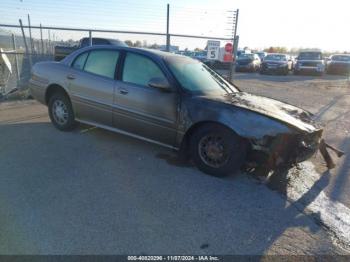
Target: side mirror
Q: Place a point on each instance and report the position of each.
(160, 83)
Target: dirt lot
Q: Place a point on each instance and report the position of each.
(95, 192)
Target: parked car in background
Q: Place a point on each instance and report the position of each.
(310, 62)
(339, 64)
(243, 51)
(248, 63)
(276, 63)
(61, 52)
(200, 56)
(176, 102)
(262, 55)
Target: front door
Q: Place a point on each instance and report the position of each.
(143, 110)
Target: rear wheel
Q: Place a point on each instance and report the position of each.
(61, 112)
(217, 151)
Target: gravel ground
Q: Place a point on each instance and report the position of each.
(91, 191)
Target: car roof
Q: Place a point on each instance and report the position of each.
(157, 54)
(341, 55)
(104, 38)
(311, 51)
(276, 54)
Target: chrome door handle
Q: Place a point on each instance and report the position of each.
(123, 91)
(70, 76)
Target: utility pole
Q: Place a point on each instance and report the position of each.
(234, 41)
(236, 38)
(167, 30)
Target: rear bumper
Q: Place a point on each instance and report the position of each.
(37, 90)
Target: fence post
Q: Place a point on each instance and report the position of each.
(49, 34)
(25, 43)
(16, 59)
(167, 30)
(90, 38)
(41, 39)
(30, 35)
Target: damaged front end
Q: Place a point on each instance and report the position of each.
(285, 150)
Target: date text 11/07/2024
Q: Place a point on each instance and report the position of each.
(174, 258)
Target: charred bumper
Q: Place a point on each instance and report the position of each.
(286, 149)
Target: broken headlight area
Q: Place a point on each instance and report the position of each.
(283, 149)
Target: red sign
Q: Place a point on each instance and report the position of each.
(229, 47)
(228, 57)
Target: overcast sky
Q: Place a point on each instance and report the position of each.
(262, 23)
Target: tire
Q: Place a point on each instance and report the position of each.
(61, 112)
(228, 150)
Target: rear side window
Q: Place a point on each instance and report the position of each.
(140, 70)
(102, 62)
(80, 61)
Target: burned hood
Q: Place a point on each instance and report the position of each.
(286, 113)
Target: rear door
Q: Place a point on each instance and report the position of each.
(91, 84)
(143, 110)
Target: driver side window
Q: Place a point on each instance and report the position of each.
(139, 70)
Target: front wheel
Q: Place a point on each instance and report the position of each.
(217, 150)
(61, 112)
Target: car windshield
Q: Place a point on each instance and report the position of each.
(246, 56)
(310, 56)
(342, 58)
(276, 57)
(196, 77)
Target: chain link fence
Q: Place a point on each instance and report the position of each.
(23, 45)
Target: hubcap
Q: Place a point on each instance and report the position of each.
(60, 112)
(213, 151)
